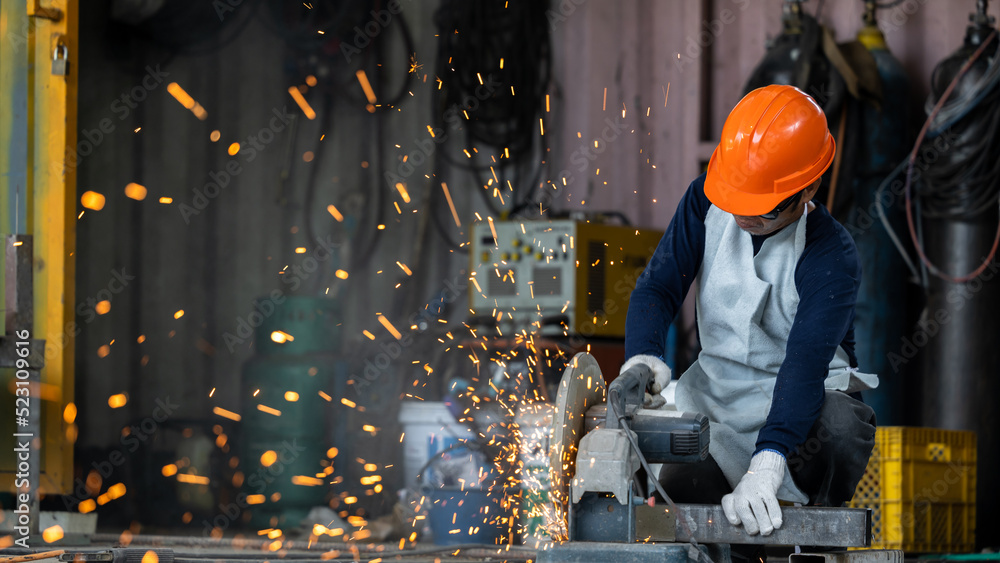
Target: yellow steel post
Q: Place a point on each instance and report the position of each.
(38, 124)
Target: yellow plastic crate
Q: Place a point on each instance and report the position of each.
(921, 486)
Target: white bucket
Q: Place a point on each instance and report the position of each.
(428, 428)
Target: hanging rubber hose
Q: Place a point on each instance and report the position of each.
(837, 159)
(974, 197)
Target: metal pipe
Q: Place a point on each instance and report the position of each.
(960, 357)
(802, 525)
(19, 350)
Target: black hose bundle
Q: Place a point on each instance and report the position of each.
(964, 182)
(494, 66)
(958, 65)
(474, 37)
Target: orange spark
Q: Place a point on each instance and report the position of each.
(388, 326)
(451, 204)
(493, 229)
(281, 337)
(135, 191)
(268, 458)
(402, 192)
(363, 79)
(303, 104)
(226, 414)
(54, 533)
(268, 410)
(92, 200)
(185, 99)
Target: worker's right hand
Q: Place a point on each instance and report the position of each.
(661, 372)
(754, 503)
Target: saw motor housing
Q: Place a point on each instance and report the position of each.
(609, 499)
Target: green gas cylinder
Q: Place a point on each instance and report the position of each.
(285, 449)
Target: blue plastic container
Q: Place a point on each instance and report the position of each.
(469, 516)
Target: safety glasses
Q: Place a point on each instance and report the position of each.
(782, 207)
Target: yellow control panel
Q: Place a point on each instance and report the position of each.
(527, 271)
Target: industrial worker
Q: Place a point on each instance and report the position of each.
(777, 279)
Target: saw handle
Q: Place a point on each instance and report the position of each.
(626, 393)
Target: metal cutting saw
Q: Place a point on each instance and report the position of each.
(602, 444)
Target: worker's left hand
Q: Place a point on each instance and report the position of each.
(653, 401)
(661, 371)
(754, 503)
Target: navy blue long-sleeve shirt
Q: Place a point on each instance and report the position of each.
(827, 278)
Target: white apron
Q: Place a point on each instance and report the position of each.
(746, 305)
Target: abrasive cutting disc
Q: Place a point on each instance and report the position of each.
(581, 387)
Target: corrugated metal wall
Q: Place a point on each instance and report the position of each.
(704, 51)
(210, 253)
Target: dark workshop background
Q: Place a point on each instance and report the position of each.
(186, 279)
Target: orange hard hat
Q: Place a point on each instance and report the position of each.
(775, 143)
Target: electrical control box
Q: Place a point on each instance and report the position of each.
(527, 271)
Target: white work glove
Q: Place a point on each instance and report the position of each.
(661, 372)
(754, 503)
(653, 402)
